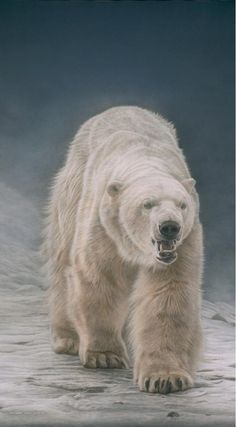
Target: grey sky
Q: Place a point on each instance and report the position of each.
(62, 62)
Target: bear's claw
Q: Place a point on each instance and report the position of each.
(165, 382)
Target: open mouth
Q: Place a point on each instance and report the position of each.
(166, 251)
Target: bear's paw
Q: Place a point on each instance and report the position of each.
(165, 381)
(66, 345)
(106, 359)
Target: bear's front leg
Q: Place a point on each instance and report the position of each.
(98, 311)
(166, 332)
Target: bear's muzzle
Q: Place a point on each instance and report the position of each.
(166, 250)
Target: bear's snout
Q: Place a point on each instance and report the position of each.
(169, 229)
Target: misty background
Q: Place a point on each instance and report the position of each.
(63, 61)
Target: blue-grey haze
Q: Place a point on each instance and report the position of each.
(64, 61)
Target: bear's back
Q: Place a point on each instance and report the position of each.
(96, 140)
(96, 131)
(129, 119)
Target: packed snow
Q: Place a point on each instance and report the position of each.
(40, 388)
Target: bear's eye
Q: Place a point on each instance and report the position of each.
(148, 205)
(183, 205)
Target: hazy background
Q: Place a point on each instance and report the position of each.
(64, 61)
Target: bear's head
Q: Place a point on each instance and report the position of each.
(149, 219)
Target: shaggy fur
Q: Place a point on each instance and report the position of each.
(101, 259)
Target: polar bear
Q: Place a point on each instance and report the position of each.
(124, 244)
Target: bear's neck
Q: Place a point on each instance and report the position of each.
(140, 165)
(135, 161)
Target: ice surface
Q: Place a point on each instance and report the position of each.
(40, 388)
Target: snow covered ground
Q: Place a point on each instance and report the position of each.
(40, 388)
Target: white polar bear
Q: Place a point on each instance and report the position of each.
(123, 239)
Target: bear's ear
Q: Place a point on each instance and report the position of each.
(114, 188)
(189, 184)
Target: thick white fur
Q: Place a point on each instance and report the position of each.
(101, 260)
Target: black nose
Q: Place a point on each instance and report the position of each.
(169, 229)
